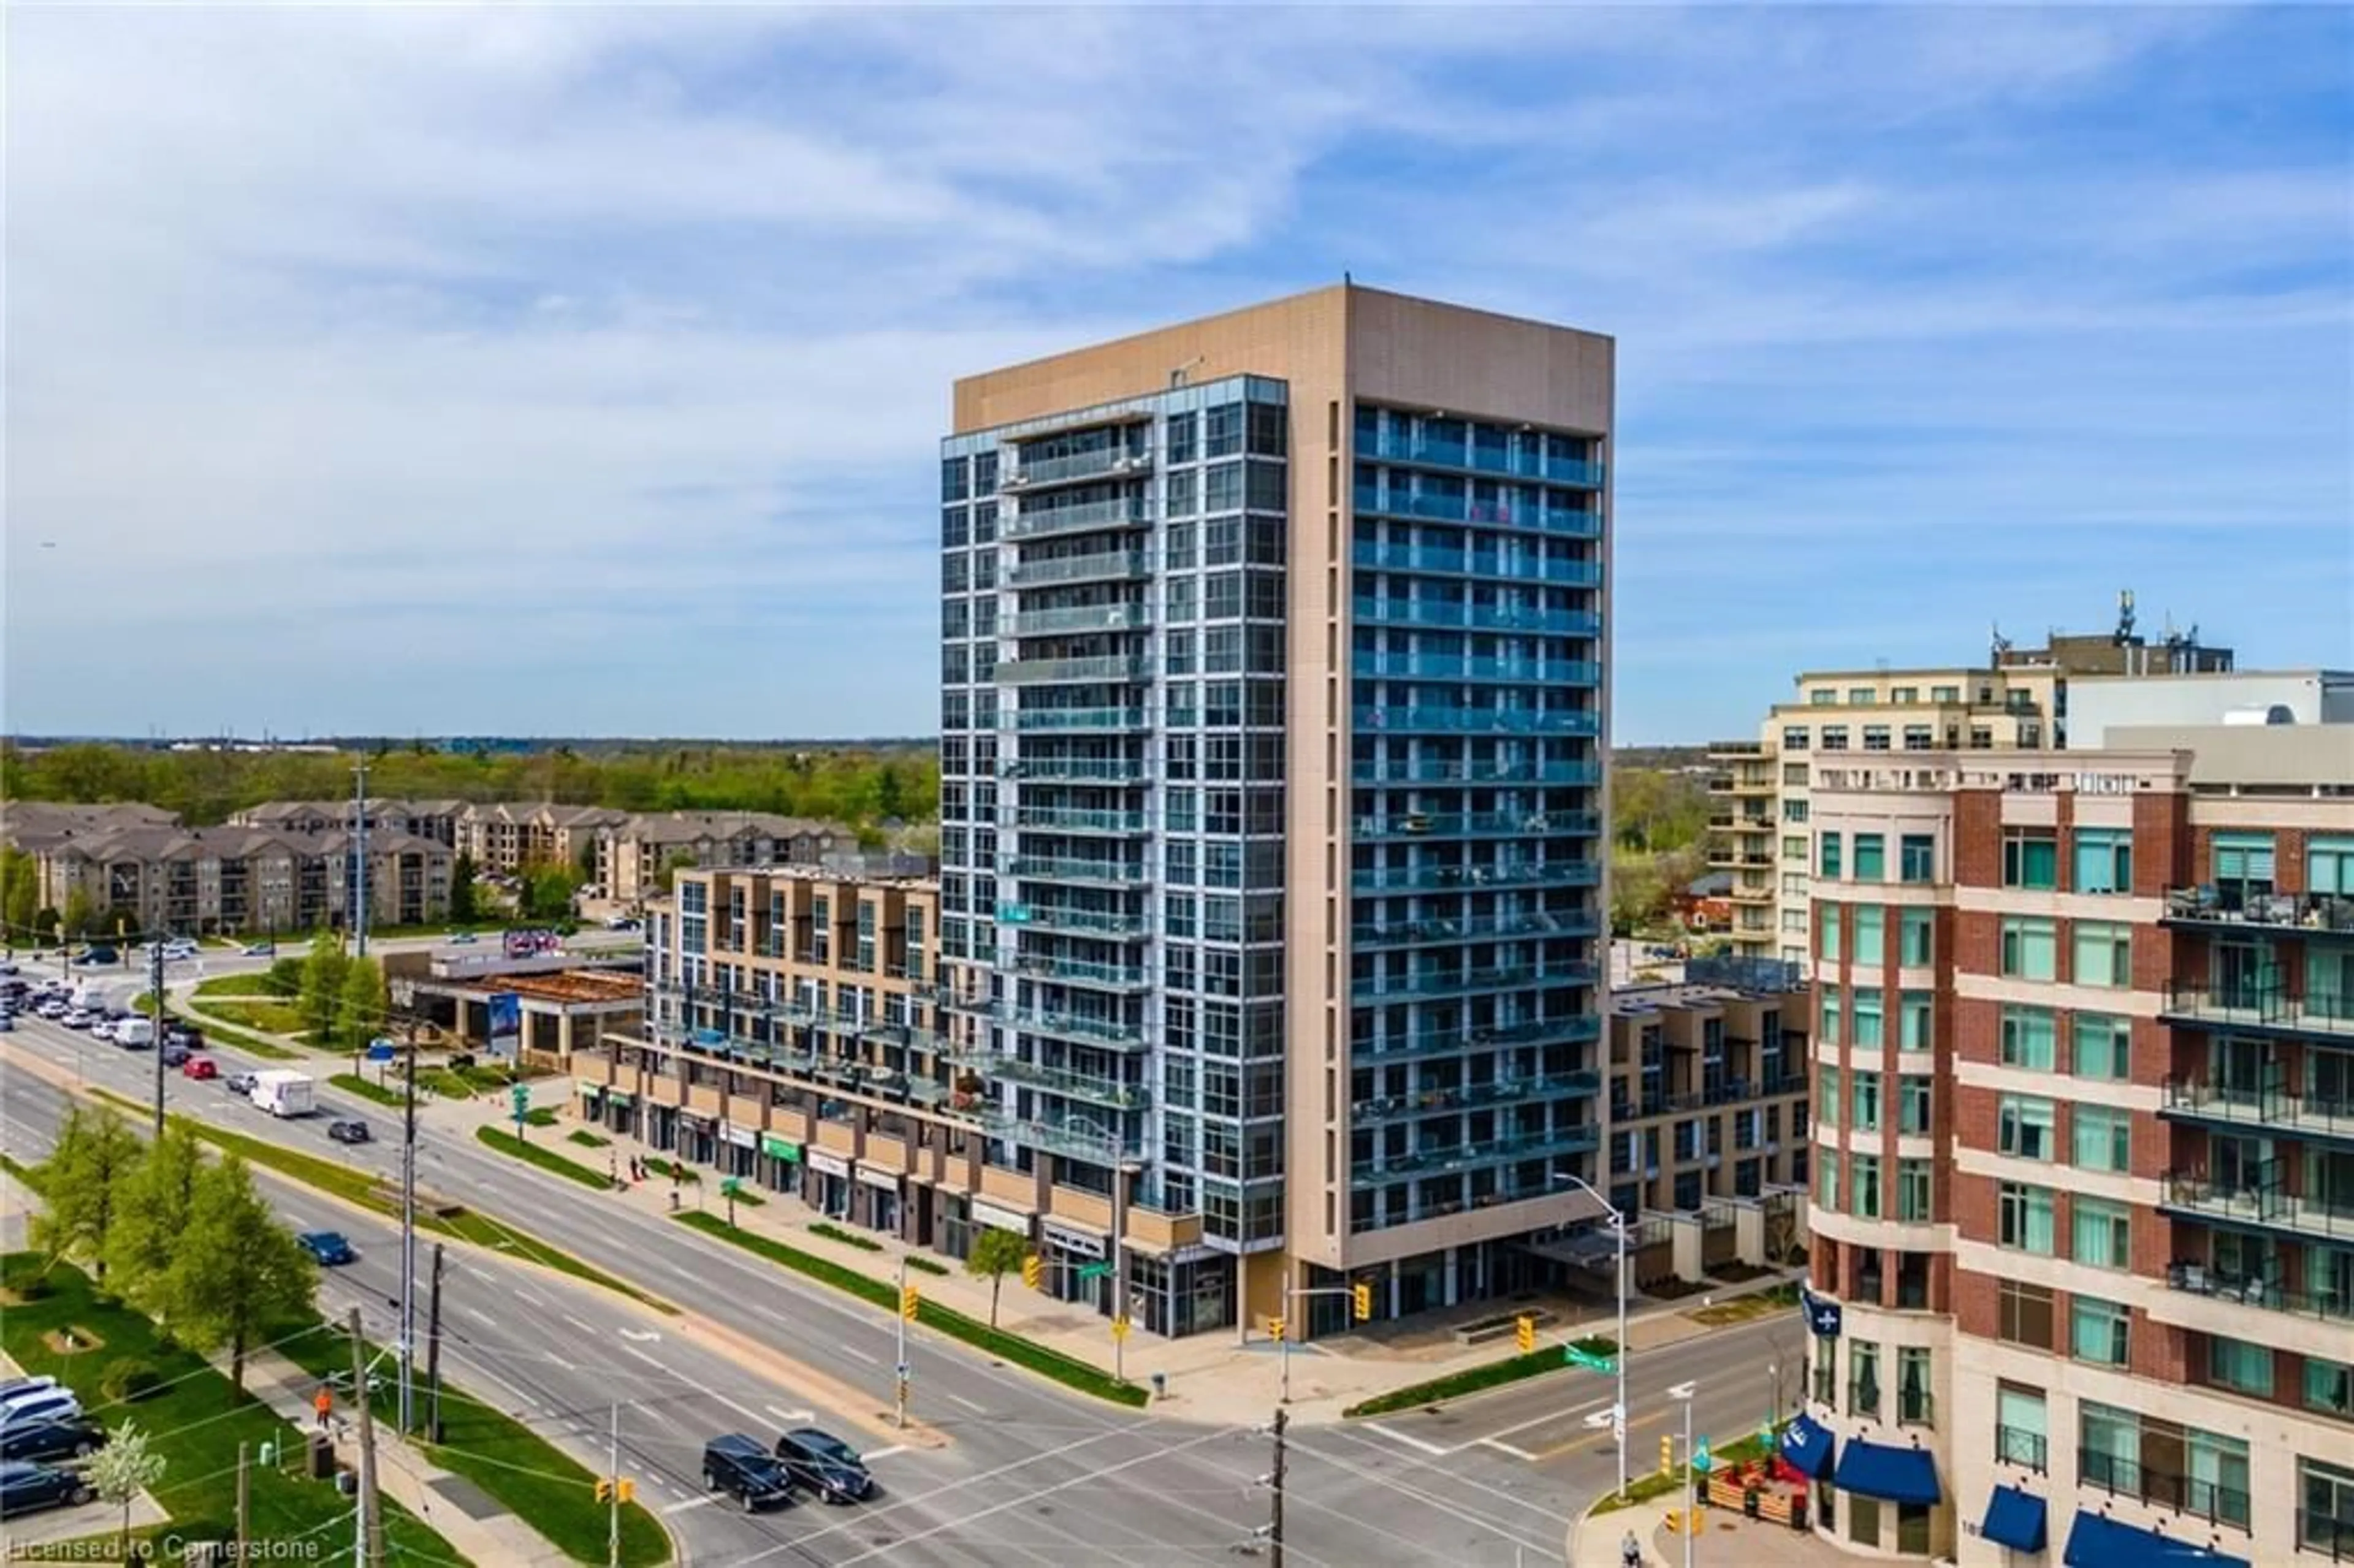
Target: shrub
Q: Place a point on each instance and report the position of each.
(847, 1238)
(130, 1378)
(926, 1266)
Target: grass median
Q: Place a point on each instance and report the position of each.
(1068, 1370)
(216, 1033)
(376, 1196)
(1660, 1484)
(196, 1421)
(537, 1481)
(270, 1017)
(547, 1159)
(352, 1084)
(1479, 1379)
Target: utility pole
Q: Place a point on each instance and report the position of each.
(369, 1546)
(1118, 1264)
(613, 1515)
(900, 1374)
(433, 1352)
(155, 1007)
(359, 919)
(408, 1241)
(1275, 1496)
(243, 1516)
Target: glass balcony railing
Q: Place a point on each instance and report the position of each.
(1076, 1137)
(1416, 933)
(1100, 566)
(1374, 990)
(2261, 1202)
(2330, 1116)
(1053, 868)
(1509, 462)
(1570, 522)
(1477, 824)
(1572, 1029)
(1472, 563)
(1460, 615)
(1115, 667)
(1083, 971)
(1031, 474)
(1076, 820)
(2264, 1006)
(2099, 1470)
(1454, 667)
(1107, 720)
(1101, 922)
(1433, 770)
(2249, 1291)
(1078, 619)
(1128, 512)
(2231, 906)
(1086, 1086)
(1469, 878)
(1439, 1158)
(1078, 769)
(1090, 1029)
(1478, 721)
(1475, 1097)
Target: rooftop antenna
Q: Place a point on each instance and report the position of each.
(2001, 643)
(2124, 615)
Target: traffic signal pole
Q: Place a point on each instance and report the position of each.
(1360, 1294)
(907, 1304)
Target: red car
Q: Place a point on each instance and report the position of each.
(199, 1067)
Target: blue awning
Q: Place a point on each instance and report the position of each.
(2014, 1518)
(1808, 1447)
(2097, 1542)
(1892, 1475)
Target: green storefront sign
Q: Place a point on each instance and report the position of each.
(790, 1153)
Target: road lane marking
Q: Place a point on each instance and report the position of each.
(523, 1295)
(1551, 1416)
(691, 1502)
(790, 1417)
(642, 1336)
(1396, 1436)
(972, 1404)
(884, 1453)
(578, 1324)
(862, 1355)
(1502, 1447)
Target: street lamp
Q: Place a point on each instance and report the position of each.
(1683, 1393)
(1619, 1231)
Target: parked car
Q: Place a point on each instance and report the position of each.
(102, 1029)
(259, 950)
(99, 957)
(7, 1020)
(47, 1442)
(199, 1067)
(54, 1009)
(240, 1083)
(29, 1488)
(36, 1406)
(328, 1249)
(825, 1465)
(185, 1034)
(462, 938)
(739, 1467)
(348, 1129)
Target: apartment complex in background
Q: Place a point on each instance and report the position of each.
(633, 852)
(2082, 1236)
(2019, 699)
(1709, 1086)
(1271, 814)
(442, 821)
(504, 838)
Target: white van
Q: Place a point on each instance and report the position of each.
(134, 1032)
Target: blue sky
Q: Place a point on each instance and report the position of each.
(578, 371)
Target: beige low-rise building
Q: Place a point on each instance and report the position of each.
(633, 853)
(232, 880)
(440, 821)
(504, 838)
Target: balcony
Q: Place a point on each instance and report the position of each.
(1104, 462)
(1077, 819)
(1467, 983)
(1129, 512)
(1392, 446)
(1456, 667)
(2271, 1010)
(1119, 667)
(1078, 1139)
(1477, 824)
(1428, 558)
(2255, 1205)
(1110, 873)
(2098, 1470)
(1474, 878)
(2246, 1290)
(1418, 933)
(1079, 1028)
(1096, 566)
(1750, 894)
(1073, 619)
(1378, 774)
(2017, 1445)
(1573, 1029)
(1477, 1096)
(1086, 1086)
(2316, 1116)
(1438, 1160)
(1084, 972)
(2228, 908)
(1078, 769)
(1461, 615)
(1100, 721)
(1479, 720)
(1106, 924)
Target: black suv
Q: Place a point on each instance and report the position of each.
(825, 1465)
(745, 1471)
(45, 1441)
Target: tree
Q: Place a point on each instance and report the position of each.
(995, 1254)
(152, 1213)
(20, 892)
(462, 891)
(119, 1472)
(360, 1013)
(81, 913)
(548, 892)
(82, 1184)
(237, 1272)
(671, 866)
(322, 986)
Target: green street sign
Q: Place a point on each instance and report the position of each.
(1590, 1359)
(520, 1095)
(730, 1187)
(1094, 1270)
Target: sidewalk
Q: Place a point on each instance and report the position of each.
(461, 1512)
(1230, 1377)
(1598, 1540)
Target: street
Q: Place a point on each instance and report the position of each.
(1029, 1475)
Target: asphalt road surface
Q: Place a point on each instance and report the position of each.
(1030, 1476)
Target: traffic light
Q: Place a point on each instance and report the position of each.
(908, 1300)
(1275, 1327)
(629, 1489)
(1363, 1295)
(1667, 1455)
(1525, 1331)
(604, 1488)
(1033, 1270)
